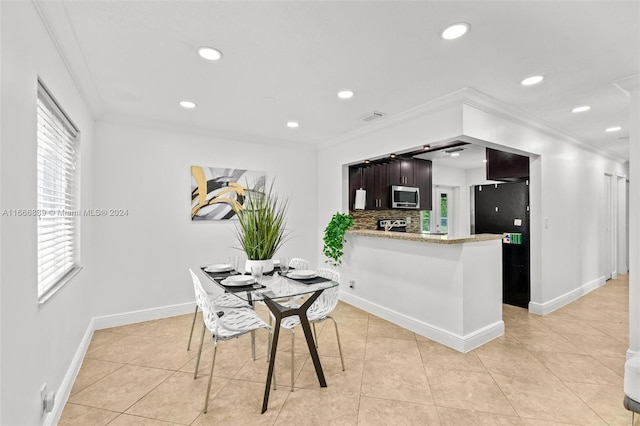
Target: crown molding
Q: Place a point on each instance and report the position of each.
(54, 18)
(476, 99)
(628, 84)
(490, 105)
(209, 132)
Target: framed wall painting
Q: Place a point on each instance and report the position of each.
(219, 193)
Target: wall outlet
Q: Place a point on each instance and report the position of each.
(43, 398)
(408, 220)
(352, 284)
(48, 399)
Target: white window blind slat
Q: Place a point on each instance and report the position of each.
(57, 193)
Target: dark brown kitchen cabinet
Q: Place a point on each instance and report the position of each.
(355, 183)
(376, 181)
(401, 172)
(423, 180)
(505, 166)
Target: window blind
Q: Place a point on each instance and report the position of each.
(57, 194)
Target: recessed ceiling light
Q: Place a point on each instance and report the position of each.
(455, 154)
(367, 161)
(581, 108)
(293, 124)
(426, 147)
(210, 53)
(529, 81)
(392, 155)
(455, 31)
(345, 94)
(484, 161)
(613, 129)
(187, 104)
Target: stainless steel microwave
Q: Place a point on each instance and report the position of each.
(405, 197)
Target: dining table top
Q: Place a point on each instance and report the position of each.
(273, 286)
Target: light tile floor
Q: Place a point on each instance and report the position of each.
(563, 368)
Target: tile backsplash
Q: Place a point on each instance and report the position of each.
(368, 219)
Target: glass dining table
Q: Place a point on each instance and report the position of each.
(275, 288)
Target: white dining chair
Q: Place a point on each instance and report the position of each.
(299, 263)
(224, 300)
(223, 324)
(319, 311)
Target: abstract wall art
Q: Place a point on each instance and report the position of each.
(219, 193)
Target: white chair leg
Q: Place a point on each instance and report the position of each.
(195, 373)
(293, 339)
(315, 336)
(193, 323)
(338, 338)
(253, 345)
(213, 362)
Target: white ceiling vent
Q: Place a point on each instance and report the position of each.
(372, 116)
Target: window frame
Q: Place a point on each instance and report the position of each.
(63, 178)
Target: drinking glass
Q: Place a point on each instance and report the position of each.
(256, 273)
(284, 266)
(233, 261)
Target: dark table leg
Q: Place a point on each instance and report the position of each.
(280, 312)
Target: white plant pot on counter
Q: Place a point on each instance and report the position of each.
(267, 265)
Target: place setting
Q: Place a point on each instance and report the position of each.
(227, 275)
(305, 276)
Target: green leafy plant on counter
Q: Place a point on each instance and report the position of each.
(334, 237)
(261, 224)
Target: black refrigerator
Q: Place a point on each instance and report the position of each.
(503, 208)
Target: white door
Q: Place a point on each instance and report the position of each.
(443, 210)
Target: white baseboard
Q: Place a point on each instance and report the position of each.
(62, 394)
(564, 299)
(455, 341)
(133, 317)
(99, 323)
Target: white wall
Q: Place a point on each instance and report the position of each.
(143, 257)
(38, 342)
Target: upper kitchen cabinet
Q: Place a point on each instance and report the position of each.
(377, 180)
(401, 172)
(423, 180)
(355, 183)
(505, 166)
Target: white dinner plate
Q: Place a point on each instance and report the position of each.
(218, 267)
(238, 280)
(302, 274)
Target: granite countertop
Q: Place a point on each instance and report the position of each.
(426, 238)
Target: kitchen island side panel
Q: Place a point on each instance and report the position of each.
(425, 287)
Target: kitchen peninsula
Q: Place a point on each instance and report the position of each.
(448, 289)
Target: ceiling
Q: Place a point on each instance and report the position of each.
(287, 60)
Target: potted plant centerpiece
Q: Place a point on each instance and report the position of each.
(334, 237)
(261, 227)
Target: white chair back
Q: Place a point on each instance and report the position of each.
(205, 304)
(328, 300)
(299, 263)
